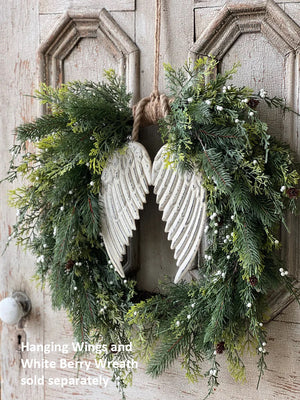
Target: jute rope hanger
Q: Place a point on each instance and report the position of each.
(156, 106)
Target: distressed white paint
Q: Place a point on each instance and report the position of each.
(22, 30)
(181, 198)
(266, 41)
(59, 6)
(88, 37)
(247, 50)
(125, 184)
(89, 49)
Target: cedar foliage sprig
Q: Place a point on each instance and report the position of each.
(213, 129)
(61, 156)
(250, 181)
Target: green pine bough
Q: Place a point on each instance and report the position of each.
(250, 180)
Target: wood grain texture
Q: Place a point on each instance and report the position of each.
(176, 38)
(125, 184)
(281, 381)
(19, 32)
(157, 259)
(217, 3)
(89, 49)
(262, 66)
(82, 44)
(22, 29)
(265, 40)
(181, 198)
(59, 6)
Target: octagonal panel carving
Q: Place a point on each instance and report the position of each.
(267, 41)
(82, 44)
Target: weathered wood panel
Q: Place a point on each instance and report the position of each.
(59, 6)
(22, 30)
(267, 73)
(83, 41)
(281, 381)
(18, 69)
(265, 40)
(85, 53)
(156, 257)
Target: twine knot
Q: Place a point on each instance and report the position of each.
(148, 111)
(151, 109)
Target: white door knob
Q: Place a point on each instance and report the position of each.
(13, 308)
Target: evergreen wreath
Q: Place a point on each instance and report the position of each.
(250, 179)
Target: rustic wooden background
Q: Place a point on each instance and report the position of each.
(41, 40)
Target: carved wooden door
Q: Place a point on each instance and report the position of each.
(64, 40)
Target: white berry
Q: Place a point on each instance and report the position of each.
(262, 93)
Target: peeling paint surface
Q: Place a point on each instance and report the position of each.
(24, 25)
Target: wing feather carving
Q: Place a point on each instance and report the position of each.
(125, 181)
(181, 198)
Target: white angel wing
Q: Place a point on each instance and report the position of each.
(181, 197)
(125, 181)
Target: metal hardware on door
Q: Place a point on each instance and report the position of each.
(14, 308)
(20, 340)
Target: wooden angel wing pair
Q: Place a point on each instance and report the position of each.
(180, 196)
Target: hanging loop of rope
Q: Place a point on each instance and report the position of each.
(156, 106)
